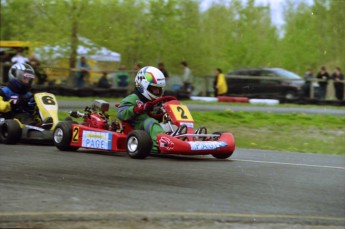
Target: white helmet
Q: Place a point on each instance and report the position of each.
(150, 82)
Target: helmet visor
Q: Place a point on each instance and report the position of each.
(157, 91)
(26, 78)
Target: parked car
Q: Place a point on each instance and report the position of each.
(275, 83)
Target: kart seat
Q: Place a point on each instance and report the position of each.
(47, 123)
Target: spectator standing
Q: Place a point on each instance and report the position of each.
(103, 81)
(19, 58)
(40, 74)
(83, 72)
(220, 86)
(161, 67)
(308, 77)
(338, 78)
(121, 77)
(137, 67)
(324, 76)
(187, 77)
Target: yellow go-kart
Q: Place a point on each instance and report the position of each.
(39, 130)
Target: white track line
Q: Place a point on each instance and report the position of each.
(295, 164)
(168, 214)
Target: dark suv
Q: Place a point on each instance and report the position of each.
(270, 83)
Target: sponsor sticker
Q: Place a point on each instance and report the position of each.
(206, 145)
(96, 140)
(166, 143)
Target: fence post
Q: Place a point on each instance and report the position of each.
(311, 87)
(330, 93)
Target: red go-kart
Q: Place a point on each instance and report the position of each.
(98, 131)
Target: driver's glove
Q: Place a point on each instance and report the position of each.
(141, 108)
(21, 102)
(5, 106)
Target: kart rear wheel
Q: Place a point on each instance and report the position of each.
(220, 156)
(62, 136)
(139, 144)
(10, 132)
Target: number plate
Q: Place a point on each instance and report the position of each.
(46, 100)
(181, 113)
(96, 140)
(75, 135)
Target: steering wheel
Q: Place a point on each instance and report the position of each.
(163, 99)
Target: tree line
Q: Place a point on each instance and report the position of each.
(228, 34)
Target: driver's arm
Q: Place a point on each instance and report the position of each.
(130, 108)
(125, 112)
(125, 109)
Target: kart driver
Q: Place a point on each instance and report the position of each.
(149, 85)
(16, 100)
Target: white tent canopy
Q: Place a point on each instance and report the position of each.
(85, 48)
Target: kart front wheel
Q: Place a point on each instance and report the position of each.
(139, 144)
(220, 156)
(62, 136)
(10, 132)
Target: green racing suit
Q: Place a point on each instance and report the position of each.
(139, 121)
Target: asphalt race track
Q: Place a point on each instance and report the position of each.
(42, 187)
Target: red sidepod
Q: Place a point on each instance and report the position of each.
(94, 138)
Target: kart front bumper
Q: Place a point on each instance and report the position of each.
(172, 145)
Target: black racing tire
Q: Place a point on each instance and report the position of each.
(221, 156)
(139, 144)
(62, 136)
(10, 132)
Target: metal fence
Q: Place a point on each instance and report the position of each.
(203, 85)
(206, 82)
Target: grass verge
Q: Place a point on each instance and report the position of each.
(323, 134)
(287, 132)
